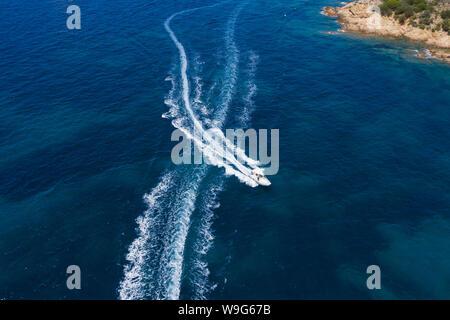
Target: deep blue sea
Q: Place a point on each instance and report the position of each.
(86, 176)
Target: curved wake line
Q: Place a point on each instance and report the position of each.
(155, 257)
(199, 271)
(134, 284)
(215, 146)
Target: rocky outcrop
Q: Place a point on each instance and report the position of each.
(441, 54)
(329, 11)
(364, 17)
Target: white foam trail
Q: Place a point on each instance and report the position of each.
(231, 69)
(133, 286)
(175, 260)
(183, 67)
(171, 101)
(228, 91)
(232, 149)
(156, 256)
(198, 67)
(198, 90)
(172, 258)
(199, 270)
(199, 105)
(215, 156)
(249, 104)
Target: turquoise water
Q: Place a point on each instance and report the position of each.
(86, 176)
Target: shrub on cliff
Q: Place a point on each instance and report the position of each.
(421, 13)
(405, 12)
(422, 6)
(390, 5)
(425, 19)
(446, 25)
(445, 14)
(405, 7)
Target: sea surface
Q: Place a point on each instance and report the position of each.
(86, 176)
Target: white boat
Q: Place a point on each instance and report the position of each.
(258, 175)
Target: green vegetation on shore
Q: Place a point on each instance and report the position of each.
(425, 14)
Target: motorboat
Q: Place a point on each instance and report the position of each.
(258, 175)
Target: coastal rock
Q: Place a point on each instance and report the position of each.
(441, 54)
(329, 12)
(364, 16)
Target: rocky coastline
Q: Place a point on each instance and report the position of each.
(364, 16)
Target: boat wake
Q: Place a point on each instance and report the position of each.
(156, 257)
(199, 271)
(216, 148)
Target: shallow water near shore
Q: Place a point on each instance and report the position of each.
(364, 155)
